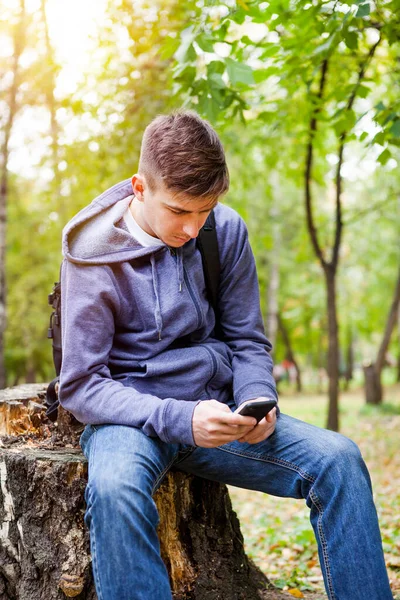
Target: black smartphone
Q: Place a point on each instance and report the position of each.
(257, 408)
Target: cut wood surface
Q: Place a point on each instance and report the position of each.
(44, 544)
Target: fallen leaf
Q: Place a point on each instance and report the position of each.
(392, 561)
(296, 593)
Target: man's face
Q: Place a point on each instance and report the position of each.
(172, 219)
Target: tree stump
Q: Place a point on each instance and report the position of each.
(44, 544)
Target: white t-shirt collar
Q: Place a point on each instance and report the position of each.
(138, 233)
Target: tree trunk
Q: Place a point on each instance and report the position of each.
(348, 376)
(273, 283)
(273, 286)
(333, 352)
(289, 350)
(398, 351)
(373, 385)
(44, 545)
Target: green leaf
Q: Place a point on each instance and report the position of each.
(363, 10)
(384, 156)
(239, 16)
(239, 72)
(380, 106)
(209, 107)
(395, 128)
(363, 136)
(205, 42)
(217, 81)
(269, 50)
(363, 91)
(345, 123)
(379, 138)
(169, 48)
(215, 66)
(247, 41)
(351, 40)
(324, 47)
(185, 51)
(185, 73)
(261, 75)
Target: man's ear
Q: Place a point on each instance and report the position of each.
(138, 186)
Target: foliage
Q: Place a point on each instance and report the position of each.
(253, 69)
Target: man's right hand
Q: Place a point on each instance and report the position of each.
(214, 424)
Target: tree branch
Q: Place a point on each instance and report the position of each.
(309, 160)
(342, 140)
(390, 324)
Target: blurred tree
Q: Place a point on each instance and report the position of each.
(129, 83)
(373, 384)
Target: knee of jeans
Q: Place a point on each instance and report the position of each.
(116, 488)
(344, 454)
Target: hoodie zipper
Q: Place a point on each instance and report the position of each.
(193, 297)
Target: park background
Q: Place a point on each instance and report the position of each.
(306, 99)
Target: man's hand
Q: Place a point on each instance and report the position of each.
(214, 424)
(263, 429)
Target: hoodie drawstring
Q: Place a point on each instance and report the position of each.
(179, 267)
(180, 275)
(157, 310)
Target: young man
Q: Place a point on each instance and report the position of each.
(143, 368)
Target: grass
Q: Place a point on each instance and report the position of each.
(277, 532)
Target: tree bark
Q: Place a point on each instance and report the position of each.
(373, 372)
(348, 376)
(289, 351)
(373, 385)
(333, 352)
(44, 544)
(273, 283)
(398, 351)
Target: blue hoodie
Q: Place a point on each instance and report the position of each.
(137, 328)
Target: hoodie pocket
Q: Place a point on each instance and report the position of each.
(181, 373)
(222, 375)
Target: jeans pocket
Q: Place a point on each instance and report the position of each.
(185, 452)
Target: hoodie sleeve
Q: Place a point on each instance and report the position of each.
(90, 302)
(240, 314)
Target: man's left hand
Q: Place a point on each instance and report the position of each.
(262, 430)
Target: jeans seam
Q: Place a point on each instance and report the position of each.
(92, 537)
(324, 544)
(314, 498)
(270, 459)
(95, 567)
(162, 475)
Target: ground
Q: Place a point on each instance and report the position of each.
(278, 535)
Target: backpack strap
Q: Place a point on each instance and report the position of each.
(207, 243)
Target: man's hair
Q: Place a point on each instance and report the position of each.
(184, 153)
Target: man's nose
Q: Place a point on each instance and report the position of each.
(192, 227)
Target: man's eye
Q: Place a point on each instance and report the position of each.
(176, 212)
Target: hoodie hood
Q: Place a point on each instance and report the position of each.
(97, 234)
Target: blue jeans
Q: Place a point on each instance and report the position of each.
(297, 461)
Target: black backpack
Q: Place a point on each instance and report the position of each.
(208, 245)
